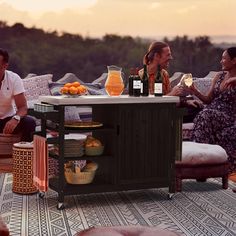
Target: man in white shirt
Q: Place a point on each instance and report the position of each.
(13, 105)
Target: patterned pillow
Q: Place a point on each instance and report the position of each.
(72, 113)
(55, 87)
(203, 84)
(36, 86)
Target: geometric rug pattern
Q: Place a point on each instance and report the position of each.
(201, 209)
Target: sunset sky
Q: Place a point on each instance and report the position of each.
(144, 18)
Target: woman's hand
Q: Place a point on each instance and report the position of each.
(229, 83)
(191, 89)
(10, 126)
(195, 103)
(178, 90)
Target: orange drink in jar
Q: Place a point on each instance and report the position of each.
(114, 84)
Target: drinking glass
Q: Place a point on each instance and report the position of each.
(187, 80)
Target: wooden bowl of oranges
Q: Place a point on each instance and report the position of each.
(73, 89)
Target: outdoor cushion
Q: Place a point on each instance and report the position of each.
(201, 153)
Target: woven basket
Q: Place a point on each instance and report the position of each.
(84, 177)
(6, 143)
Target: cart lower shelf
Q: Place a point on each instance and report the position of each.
(100, 186)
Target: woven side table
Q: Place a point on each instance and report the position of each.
(23, 168)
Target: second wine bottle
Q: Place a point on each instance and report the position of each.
(158, 83)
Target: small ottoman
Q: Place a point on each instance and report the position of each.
(201, 161)
(127, 231)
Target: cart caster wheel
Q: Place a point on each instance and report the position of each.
(170, 196)
(60, 206)
(41, 195)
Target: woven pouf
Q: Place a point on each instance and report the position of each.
(23, 168)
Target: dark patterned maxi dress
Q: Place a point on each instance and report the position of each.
(215, 124)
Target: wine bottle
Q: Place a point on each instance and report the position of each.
(144, 82)
(131, 77)
(136, 84)
(158, 83)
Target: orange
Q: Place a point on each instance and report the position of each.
(76, 84)
(68, 85)
(73, 90)
(80, 90)
(83, 89)
(64, 90)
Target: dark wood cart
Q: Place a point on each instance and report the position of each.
(142, 138)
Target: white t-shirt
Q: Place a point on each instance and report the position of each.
(12, 85)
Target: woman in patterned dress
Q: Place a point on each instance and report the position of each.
(215, 124)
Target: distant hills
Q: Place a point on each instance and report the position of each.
(224, 39)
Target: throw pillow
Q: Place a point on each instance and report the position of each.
(72, 113)
(95, 88)
(203, 84)
(55, 88)
(101, 80)
(30, 75)
(36, 86)
(69, 78)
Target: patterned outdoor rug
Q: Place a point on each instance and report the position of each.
(201, 209)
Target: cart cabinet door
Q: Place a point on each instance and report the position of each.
(147, 143)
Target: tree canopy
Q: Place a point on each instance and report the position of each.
(33, 50)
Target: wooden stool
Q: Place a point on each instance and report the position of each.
(6, 145)
(201, 161)
(23, 168)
